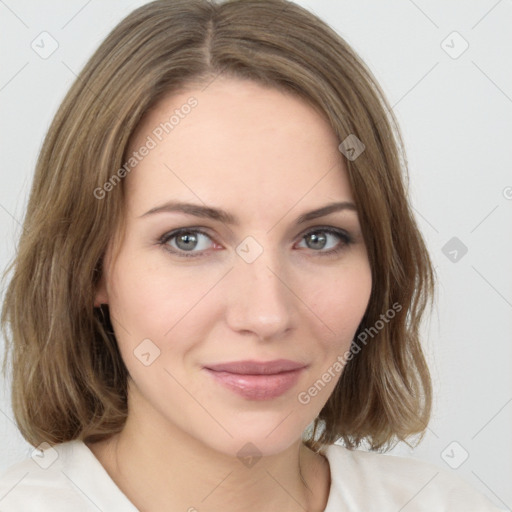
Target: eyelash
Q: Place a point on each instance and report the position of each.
(164, 239)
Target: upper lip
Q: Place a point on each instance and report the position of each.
(257, 367)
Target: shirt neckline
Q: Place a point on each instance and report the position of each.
(98, 486)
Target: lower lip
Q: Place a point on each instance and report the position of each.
(258, 387)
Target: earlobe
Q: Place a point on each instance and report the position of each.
(101, 295)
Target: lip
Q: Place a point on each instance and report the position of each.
(257, 380)
(251, 367)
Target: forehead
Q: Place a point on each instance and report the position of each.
(236, 141)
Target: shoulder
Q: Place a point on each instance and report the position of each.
(30, 484)
(376, 481)
(59, 478)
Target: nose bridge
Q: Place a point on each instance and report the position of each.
(259, 299)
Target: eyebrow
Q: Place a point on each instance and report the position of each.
(228, 218)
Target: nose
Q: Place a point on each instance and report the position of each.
(260, 300)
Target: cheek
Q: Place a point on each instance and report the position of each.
(341, 304)
(340, 307)
(171, 307)
(150, 297)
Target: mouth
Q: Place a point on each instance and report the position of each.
(256, 367)
(257, 380)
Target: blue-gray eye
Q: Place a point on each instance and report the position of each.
(319, 239)
(188, 240)
(193, 242)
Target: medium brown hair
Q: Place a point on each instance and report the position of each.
(69, 381)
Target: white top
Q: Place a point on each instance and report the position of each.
(68, 477)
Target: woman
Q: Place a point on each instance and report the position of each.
(219, 277)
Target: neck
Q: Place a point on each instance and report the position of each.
(164, 468)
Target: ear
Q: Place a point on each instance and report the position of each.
(101, 294)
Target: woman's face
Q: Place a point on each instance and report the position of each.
(257, 283)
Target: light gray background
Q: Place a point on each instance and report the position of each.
(456, 118)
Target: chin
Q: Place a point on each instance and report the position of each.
(265, 439)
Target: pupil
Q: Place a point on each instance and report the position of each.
(318, 241)
(187, 239)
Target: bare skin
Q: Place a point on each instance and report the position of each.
(313, 498)
(267, 158)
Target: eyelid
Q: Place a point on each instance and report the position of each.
(324, 227)
(173, 233)
(345, 239)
